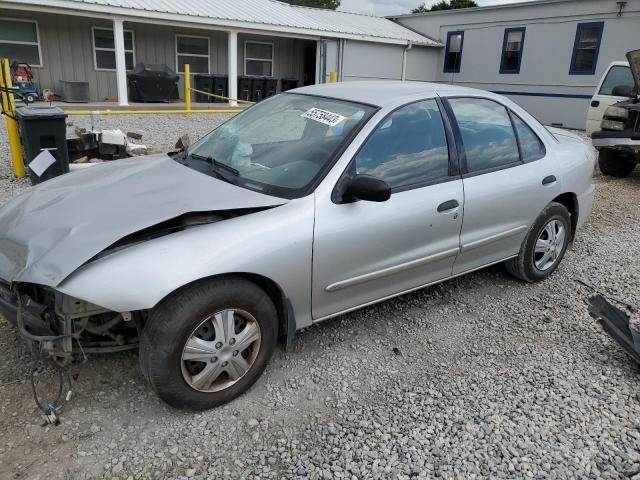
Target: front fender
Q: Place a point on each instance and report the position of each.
(275, 243)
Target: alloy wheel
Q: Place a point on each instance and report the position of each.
(549, 245)
(220, 350)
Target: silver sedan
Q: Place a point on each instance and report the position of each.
(308, 205)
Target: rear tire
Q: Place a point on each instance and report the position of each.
(530, 264)
(177, 323)
(615, 164)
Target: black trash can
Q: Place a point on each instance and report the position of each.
(220, 87)
(257, 89)
(244, 88)
(270, 87)
(44, 128)
(204, 83)
(289, 83)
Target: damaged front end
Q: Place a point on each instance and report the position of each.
(621, 325)
(64, 327)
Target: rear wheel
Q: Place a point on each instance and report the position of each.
(615, 164)
(208, 343)
(544, 246)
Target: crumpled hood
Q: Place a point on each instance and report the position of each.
(634, 62)
(52, 229)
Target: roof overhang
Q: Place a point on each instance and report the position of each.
(93, 10)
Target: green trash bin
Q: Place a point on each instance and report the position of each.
(44, 128)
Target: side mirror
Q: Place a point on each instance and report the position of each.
(623, 91)
(365, 187)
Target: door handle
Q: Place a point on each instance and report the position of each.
(549, 180)
(448, 205)
(595, 103)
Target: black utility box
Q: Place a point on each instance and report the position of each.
(270, 87)
(244, 88)
(220, 87)
(44, 128)
(204, 83)
(153, 83)
(289, 83)
(257, 89)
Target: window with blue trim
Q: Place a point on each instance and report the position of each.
(453, 52)
(512, 46)
(585, 48)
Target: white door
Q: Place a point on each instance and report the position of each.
(618, 73)
(366, 251)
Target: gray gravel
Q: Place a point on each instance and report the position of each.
(480, 377)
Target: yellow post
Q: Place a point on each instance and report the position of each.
(187, 87)
(13, 133)
(333, 77)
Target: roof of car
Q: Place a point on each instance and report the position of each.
(381, 93)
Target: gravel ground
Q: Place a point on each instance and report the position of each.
(482, 376)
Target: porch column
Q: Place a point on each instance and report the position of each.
(233, 66)
(121, 64)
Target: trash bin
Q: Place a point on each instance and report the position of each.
(270, 87)
(220, 87)
(204, 83)
(257, 89)
(74, 92)
(44, 128)
(289, 83)
(244, 88)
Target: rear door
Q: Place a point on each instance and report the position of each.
(508, 179)
(619, 73)
(367, 251)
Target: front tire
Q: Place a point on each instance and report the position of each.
(615, 163)
(208, 343)
(544, 246)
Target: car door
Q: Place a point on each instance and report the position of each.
(508, 179)
(617, 74)
(365, 251)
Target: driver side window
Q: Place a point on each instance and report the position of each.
(409, 147)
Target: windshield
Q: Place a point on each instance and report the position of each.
(281, 145)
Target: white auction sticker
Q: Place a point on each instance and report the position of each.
(323, 116)
(41, 162)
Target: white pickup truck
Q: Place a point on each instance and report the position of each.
(618, 73)
(617, 134)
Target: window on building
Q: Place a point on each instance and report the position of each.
(618, 75)
(104, 49)
(194, 51)
(19, 41)
(586, 48)
(453, 52)
(487, 134)
(258, 59)
(512, 46)
(408, 148)
(531, 148)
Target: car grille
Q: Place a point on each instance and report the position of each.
(633, 122)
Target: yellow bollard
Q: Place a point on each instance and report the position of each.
(187, 87)
(13, 132)
(333, 77)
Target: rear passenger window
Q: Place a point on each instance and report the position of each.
(487, 135)
(409, 147)
(531, 148)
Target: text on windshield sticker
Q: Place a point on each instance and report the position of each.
(323, 116)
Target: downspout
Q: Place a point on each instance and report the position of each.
(404, 60)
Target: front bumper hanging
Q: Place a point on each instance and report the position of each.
(618, 324)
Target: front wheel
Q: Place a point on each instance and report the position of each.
(615, 163)
(208, 343)
(544, 246)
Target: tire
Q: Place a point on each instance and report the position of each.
(30, 97)
(197, 308)
(615, 164)
(526, 265)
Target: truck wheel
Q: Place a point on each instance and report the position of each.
(209, 342)
(544, 246)
(30, 98)
(615, 163)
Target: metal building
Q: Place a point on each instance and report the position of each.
(546, 55)
(98, 41)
